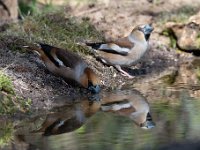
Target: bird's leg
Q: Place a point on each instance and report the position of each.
(124, 73)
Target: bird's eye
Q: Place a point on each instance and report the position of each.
(140, 28)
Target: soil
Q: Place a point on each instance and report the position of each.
(115, 18)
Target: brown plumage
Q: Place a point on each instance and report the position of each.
(69, 66)
(126, 51)
(126, 103)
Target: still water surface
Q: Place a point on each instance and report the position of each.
(121, 120)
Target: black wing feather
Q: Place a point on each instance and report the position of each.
(47, 50)
(94, 45)
(98, 45)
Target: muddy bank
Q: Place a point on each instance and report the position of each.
(32, 80)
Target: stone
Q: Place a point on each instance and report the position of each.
(187, 35)
(195, 18)
(8, 11)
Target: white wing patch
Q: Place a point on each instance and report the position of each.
(103, 60)
(114, 47)
(60, 123)
(116, 107)
(59, 61)
(37, 52)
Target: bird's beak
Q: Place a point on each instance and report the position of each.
(148, 124)
(94, 89)
(147, 29)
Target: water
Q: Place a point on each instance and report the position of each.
(118, 122)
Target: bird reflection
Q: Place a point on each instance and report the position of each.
(127, 103)
(131, 104)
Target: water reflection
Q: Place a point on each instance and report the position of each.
(128, 103)
(103, 125)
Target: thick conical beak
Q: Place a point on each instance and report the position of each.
(94, 89)
(148, 124)
(147, 29)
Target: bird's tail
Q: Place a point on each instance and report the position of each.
(94, 45)
(44, 51)
(46, 48)
(40, 48)
(34, 48)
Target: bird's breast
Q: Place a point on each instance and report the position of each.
(137, 52)
(79, 70)
(133, 56)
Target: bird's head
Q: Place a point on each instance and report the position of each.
(148, 124)
(142, 32)
(143, 119)
(90, 81)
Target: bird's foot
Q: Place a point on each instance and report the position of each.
(127, 75)
(124, 73)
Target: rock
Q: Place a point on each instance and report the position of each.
(189, 39)
(187, 75)
(8, 11)
(195, 18)
(187, 35)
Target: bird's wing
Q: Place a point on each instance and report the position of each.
(120, 106)
(47, 49)
(121, 46)
(61, 57)
(64, 58)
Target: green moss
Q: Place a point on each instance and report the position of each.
(33, 7)
(81, 130)
(57, 29)
(170, 79)
(169, 33)
(10, 103)
(27, 7)
(6, 84)
(6, 133)
(197, 71)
